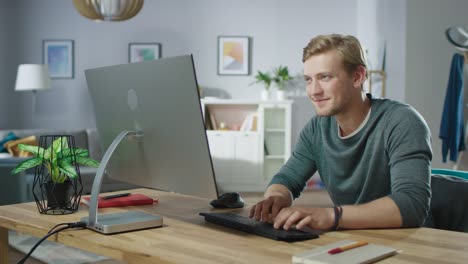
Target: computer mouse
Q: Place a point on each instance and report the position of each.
(228, 200)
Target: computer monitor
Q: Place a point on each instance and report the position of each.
(154, 110)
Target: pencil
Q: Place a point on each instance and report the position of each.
(347, 247)
(115, 196)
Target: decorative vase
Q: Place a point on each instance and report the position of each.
(280, 95)
(51, 197)
(265, 95)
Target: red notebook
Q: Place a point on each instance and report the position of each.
(130, 200)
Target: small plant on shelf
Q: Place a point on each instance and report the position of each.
(264, 78)
(281, 76)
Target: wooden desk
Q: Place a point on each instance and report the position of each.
(186, 238)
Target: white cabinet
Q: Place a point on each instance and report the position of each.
(254, 142)
(276, 136)
(236, 158)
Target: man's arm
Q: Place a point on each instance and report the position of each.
(380, 213)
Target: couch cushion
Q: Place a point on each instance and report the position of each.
(10, 136)
(80, 136)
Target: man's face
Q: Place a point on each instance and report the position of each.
(328, 85)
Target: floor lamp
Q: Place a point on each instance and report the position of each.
(32, 77)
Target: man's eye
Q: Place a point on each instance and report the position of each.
(325, 77)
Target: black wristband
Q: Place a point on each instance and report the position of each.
(338, 212)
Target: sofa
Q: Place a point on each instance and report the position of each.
(17, 188)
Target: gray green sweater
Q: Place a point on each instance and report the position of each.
(390, 156)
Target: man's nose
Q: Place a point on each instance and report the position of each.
(313, 89)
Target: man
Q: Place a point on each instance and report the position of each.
(373, 155)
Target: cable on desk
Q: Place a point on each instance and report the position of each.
(50, 233)
(71, 225)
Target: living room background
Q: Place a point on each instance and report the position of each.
(418, 56)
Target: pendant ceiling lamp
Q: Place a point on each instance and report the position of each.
(108, 10)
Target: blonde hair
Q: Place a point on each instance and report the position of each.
(347, 46)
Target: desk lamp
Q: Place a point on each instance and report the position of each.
(32, 77)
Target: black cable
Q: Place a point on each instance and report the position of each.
(52, 229)
(71, 225)
(50, 233)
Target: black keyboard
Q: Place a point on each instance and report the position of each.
(252, 226)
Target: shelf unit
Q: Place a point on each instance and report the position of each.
(246, 156)
(276, 133)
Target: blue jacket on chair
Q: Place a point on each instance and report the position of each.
(452, 128)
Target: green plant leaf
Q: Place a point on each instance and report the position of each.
(87, 162)
(79, 152)
(64, 143)
(281, 76)
(57, 144)
(38, 151)
(55, 172)
(29, 163)
(264, 77)
(67, 168)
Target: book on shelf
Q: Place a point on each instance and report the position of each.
(206, 120)
(250, 122)
(265, 149)
(214, 126)
(130, 200)
(369, 253)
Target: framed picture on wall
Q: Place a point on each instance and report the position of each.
(58, 55)
(143, 51)
(233, 55)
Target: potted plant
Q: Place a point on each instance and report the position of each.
(281, 77)
(60, 162)
(266, 79)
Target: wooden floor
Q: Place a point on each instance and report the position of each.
(308, 198)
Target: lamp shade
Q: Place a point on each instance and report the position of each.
(32, 77)
(108, 10)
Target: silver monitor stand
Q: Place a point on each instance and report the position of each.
(117, 222)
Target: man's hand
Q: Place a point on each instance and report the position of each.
(316, 218)
(277, 196)
(271, 205)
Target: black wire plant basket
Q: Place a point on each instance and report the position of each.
(56, 196)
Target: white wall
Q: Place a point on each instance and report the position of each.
(428, 58)
(382, 23)
(279, 31)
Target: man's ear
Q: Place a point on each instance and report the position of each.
(359, 76)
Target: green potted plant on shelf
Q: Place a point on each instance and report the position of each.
(265, 79)
(60, 163)
(281, 77)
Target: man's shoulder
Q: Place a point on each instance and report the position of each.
(394, 113)
(394, 108)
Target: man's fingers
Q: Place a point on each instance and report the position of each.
(265, 213)
(252, 211)
(281, 218)
(306, 221)
(275, 210)
(292, 219)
